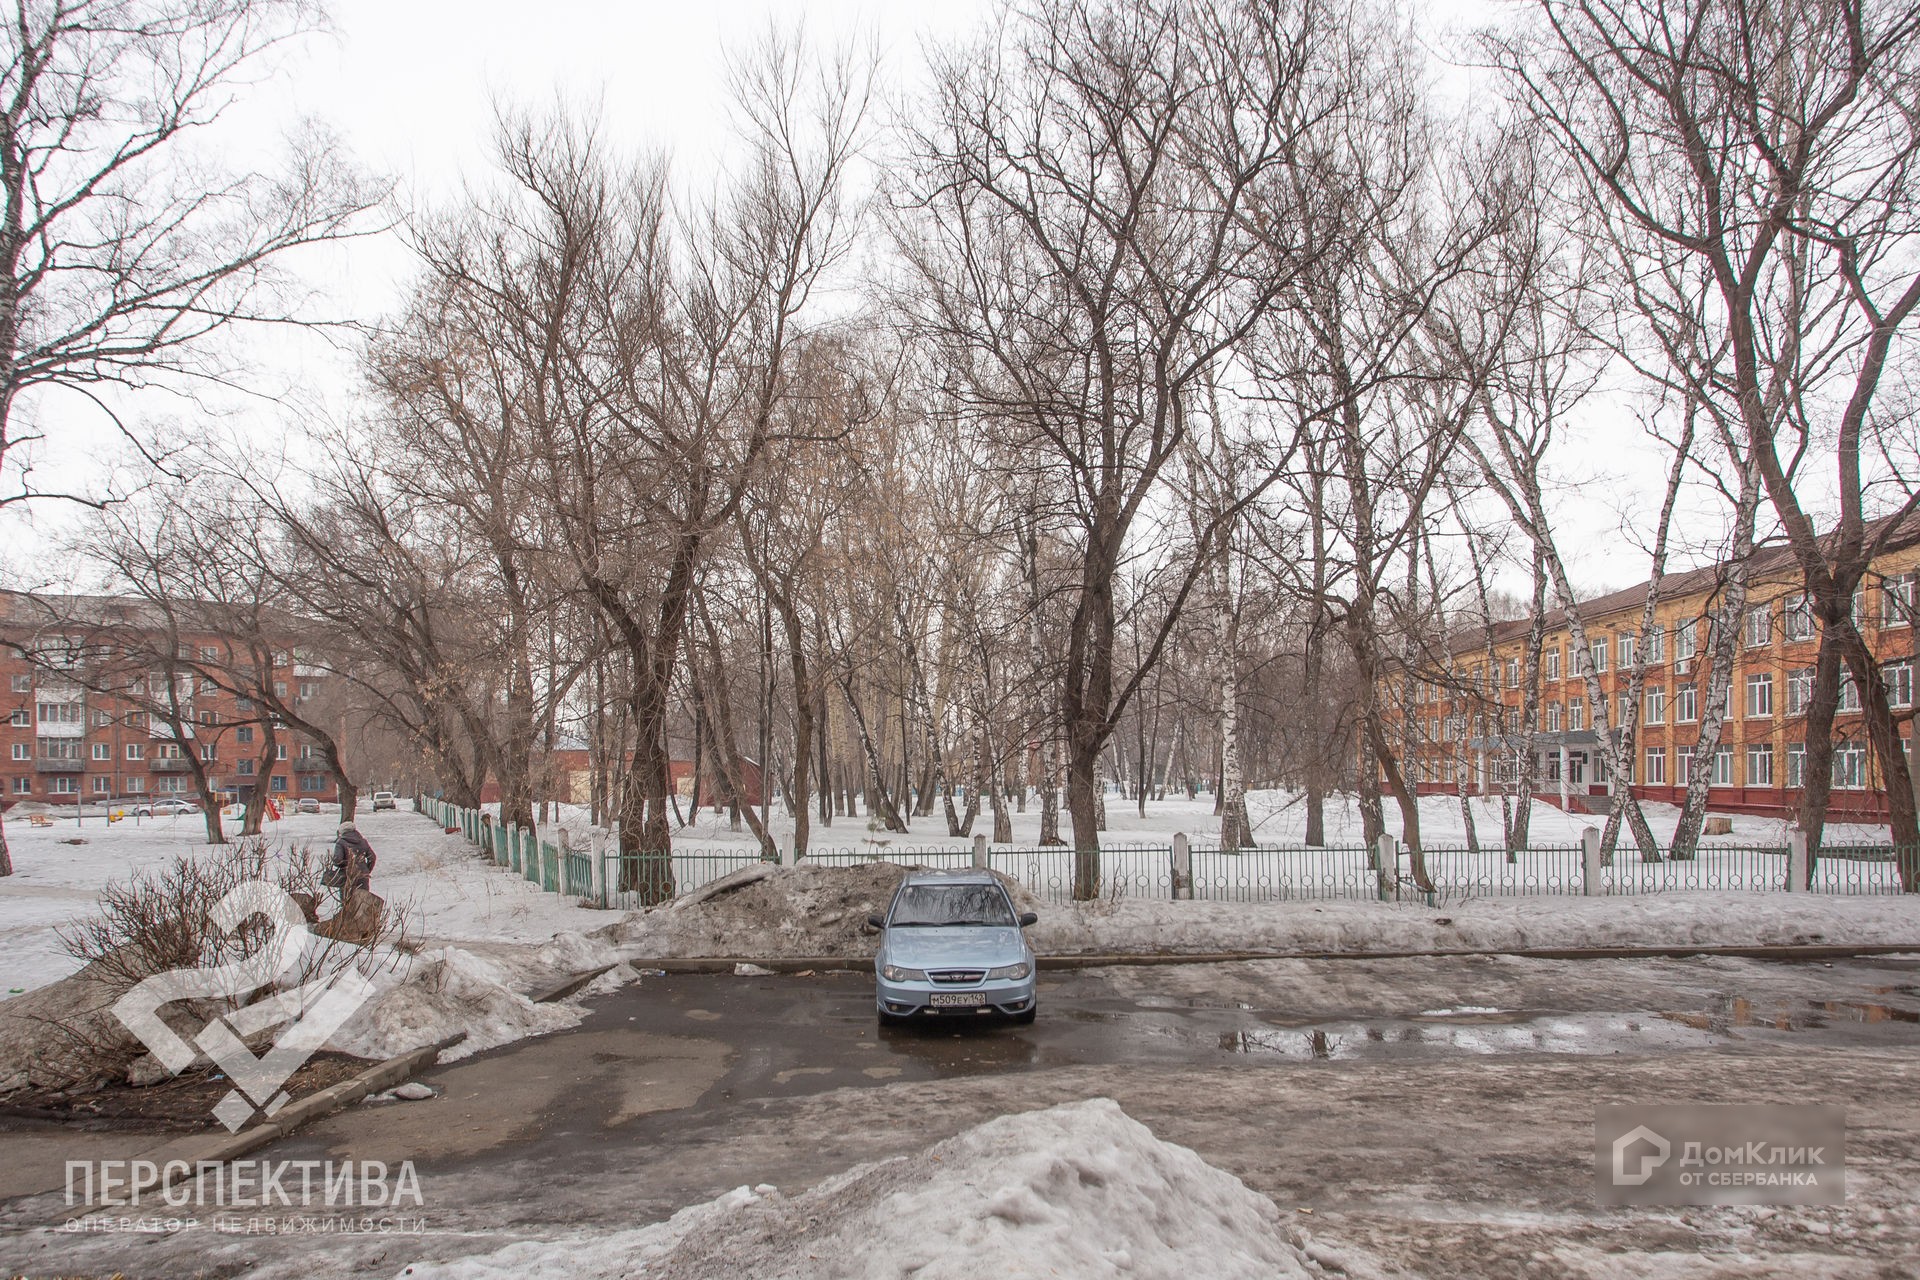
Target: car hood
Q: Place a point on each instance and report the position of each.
(940, 948)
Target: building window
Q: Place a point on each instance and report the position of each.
(1760, 764)
(23, 786)
(1757, 629)
(280, 751)
(102, 785)
(1656, 766)
(166, 751)
(136, 751)
(22, 751)
(1797, 621)
(102, 751)
(244, 734)
(308, 688)
(59, 748)
(1513, 678)
(21, 719)
(1849, 766)
(136, 719)
(1657, 704)
(1683, 765)
(208, 653)
(1657, 644)
(1796, 764)
(278, 782)
(59, 713)
(1600, 654)
(66, 785)
(101, 719)
(1629, 651)
(1760, 696)
(314, 782)
(1553, 663)
(1686, 640)
(209, 752)
(1723, 767)
(1899, 678)
(208, 686)
(1799, 690)
(23, 684)
(244, 768)
(1686, 703)
(279, 688)
(1849, 692)
(136, 785)
(1897, 596)
(1576, 714)
(172, 782)
(1553, 717)
(246, 704)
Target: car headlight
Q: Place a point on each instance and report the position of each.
(894, 973)
(1010, 971)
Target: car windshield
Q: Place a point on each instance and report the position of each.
(921, 905)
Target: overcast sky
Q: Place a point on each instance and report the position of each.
(407, 85)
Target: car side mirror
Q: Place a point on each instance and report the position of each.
(1028, 917)
(875, 922)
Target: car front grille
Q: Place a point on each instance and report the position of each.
(956, 977)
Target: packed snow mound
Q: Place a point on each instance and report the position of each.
(1079, 1190)
(771, 911)
(444, 992)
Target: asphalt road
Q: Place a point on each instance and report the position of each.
(1436, 1112)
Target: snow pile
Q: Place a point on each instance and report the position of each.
(1690, 919)
(769, 911)
(1078, 1190)
(442, 993)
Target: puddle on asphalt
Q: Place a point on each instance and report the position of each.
(1737, 1013)
(1485, 1034)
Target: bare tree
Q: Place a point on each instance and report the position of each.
(1769, 152)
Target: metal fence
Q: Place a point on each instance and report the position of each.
(602, 875)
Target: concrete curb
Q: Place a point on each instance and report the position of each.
(382, 1075)
(567, 986)
(1820, 951)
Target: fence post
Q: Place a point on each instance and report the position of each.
(1593, 882)
(979, 853)
(1796, 861)
(1388, 870)
(1182, 867)
(597, 873)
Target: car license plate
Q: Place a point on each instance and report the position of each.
(957, 999)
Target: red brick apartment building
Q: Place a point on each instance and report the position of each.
(65, 739)
(1467, 720)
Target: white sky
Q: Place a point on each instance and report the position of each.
(407, 84)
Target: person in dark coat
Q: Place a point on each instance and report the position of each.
(351, 866)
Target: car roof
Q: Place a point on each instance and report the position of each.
(966, 875)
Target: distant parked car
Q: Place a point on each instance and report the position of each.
(952, 944)
(163, 809)
(385, 800)
(307, 804)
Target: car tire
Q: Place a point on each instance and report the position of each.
(1025, 1018)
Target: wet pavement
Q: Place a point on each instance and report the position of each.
(679, 1087)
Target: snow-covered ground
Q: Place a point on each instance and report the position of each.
(1077, 1190)
(448, 894)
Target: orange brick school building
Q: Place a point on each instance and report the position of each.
(1469, 720)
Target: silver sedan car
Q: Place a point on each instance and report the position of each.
(951, 944)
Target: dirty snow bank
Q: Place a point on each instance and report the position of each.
(772, 912)
(769, 911)
(1077, 1190)
(1479, 924)
(451, 990)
